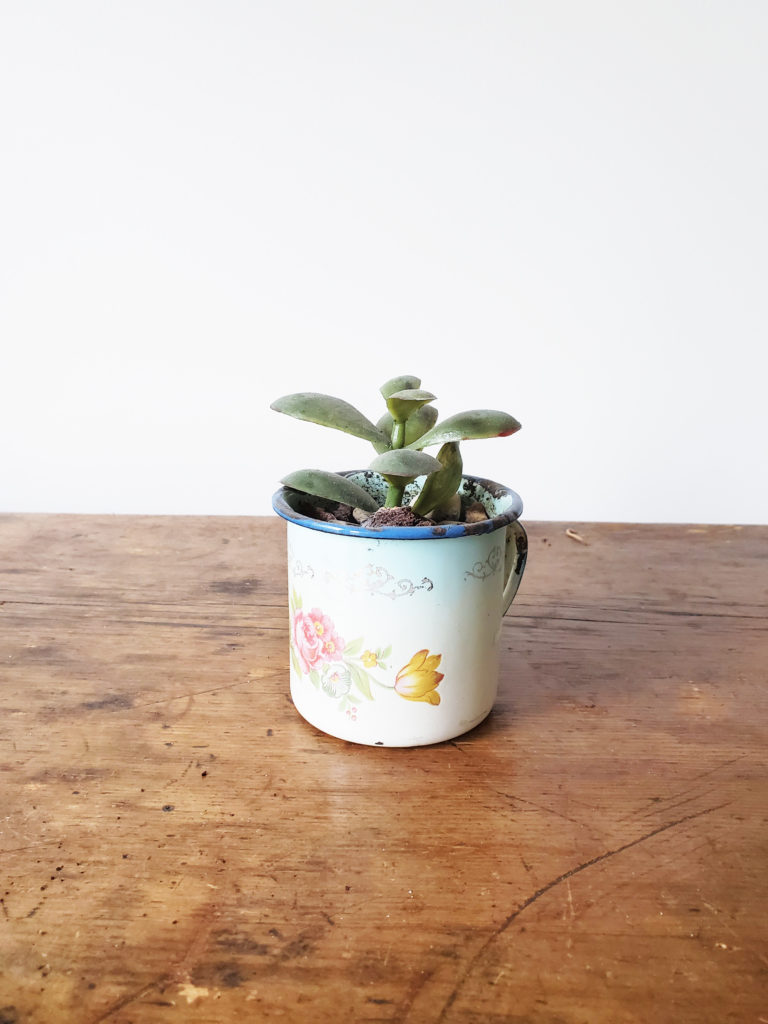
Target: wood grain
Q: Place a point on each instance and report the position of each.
(177, 845)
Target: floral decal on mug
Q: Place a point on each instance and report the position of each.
(349, 671)
(315, 639)
(418, 680)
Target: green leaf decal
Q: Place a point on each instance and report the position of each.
(332, 486)
(360, 679)
(328, 412)
(353, 646)
(466, 426)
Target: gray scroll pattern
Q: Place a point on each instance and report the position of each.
(488, 567)
(374, 580)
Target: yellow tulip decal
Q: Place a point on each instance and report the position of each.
(418, 680)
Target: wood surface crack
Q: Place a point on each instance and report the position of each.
(126, 1000)
(509, 920)
(413, 991)
(677, 613)
(696, 793)
(177, 973)
(213, 689)
(539, 807)
(461, 750)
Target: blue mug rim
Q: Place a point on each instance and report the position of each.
(281, 506)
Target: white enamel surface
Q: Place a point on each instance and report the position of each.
(442, 596)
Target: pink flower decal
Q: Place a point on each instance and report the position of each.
(315, 639)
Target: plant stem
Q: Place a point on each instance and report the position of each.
(395, 491)
(394, 495)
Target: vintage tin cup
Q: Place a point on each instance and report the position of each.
(394, 633)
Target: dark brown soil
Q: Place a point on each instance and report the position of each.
(338, 513)
(400, 515)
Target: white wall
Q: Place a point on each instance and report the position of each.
(551, 207)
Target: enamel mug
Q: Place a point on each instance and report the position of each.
(394, 633)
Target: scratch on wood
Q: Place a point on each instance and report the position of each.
(418, 984)
(540, 807)
(711, 771)
(179, 973)
(126, 1001)
(678, 803)
(214, 689)
(505, 924)
(570, 913)
(697, 793)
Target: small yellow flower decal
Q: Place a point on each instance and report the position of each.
(418, 680)
(369, 659)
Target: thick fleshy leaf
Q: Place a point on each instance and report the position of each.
(403, 404)
(404, 462)
(440, 487)
(332, 486)
(399, 384)
(466, 426)
(421, 421)
(328, 412)
(384, 425)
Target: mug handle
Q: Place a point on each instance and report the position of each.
(516, 553)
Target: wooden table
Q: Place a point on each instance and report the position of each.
(178, 845)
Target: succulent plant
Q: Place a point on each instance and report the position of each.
(400, 436)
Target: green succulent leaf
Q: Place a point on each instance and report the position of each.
(404, 462)
(403, 404)
(466, 426)
(440, 487)
(332, 486)
(422, 420)
(329, 412)
(384, 425)
(399, 384)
